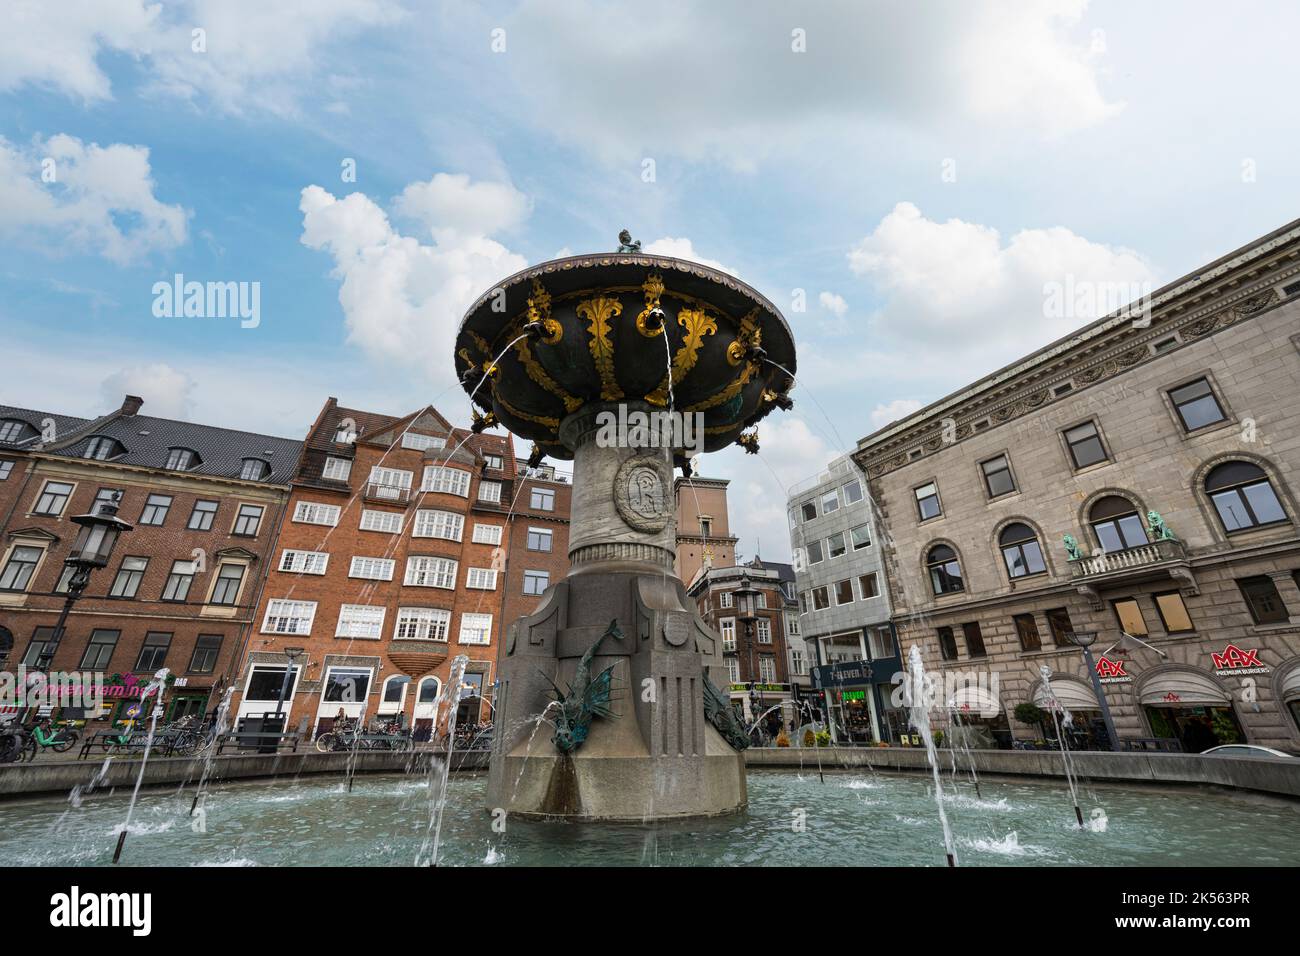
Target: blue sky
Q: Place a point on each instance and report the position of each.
(920, 171)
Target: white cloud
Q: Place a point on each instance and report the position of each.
(449, 204)
(681, 248)
(707, 82)
(168, 392)
(101, 198)
(833, 303)
(403, 299)
(883, 414)
(956, 288)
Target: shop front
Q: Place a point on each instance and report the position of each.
(857, 698)
(1187, 704)
(1086, 730)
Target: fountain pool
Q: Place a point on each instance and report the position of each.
(853, 819)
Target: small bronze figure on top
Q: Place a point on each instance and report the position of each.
(627, 244)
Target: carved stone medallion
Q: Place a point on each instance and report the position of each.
(640, 494)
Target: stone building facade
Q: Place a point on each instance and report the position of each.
(182, 585)
(1140, 478)
(390, 562)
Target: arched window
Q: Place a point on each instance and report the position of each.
(1243, 496)
(428, 690)
(393, 689)
(1116, 524)
(182, 459)
(945, 570)
(1021, 551)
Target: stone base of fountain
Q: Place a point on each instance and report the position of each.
(659, 758)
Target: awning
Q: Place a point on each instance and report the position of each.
(1291, 684)
(975, 701)
(1069, 693)
(1183, 688)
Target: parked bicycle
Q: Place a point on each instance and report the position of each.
(348, 737)
(45, 736)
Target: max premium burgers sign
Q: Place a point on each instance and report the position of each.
(1234, 661)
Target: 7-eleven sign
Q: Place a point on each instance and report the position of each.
(1234, 660)
(1112, 672)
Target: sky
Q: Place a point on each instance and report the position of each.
(906, 181)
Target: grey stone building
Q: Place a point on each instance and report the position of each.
(844, 618)
(1137, 478)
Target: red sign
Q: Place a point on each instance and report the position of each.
(1234, 657)
(1112, 672)
(1172, 697)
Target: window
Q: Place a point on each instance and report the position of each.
(481, 579)
(206, 651)
(706, 526)
(129, 575)
(1116, 524)
(364, 621)
(974, 639)
(880, 643)
(1243, 496)
(438, 524)
(489, 491)
(1173, 612)
(725, 599)
(733, 670)
(997, 476)
(830, 502)
(835, 544)
(1085, 445)
(947, 644)
(179, 580)
(422, 624)
(225, 591)
(105, 496)
(861, 537)
(53, 498)
(1020, 551)
(429, 689)
(760, 599)
(844, 592)
(1129, 615)
(99, 650)
(154, 651)
(821, 598)
(304, 562)
(809, 510)
(389, 522)
(430, 572)
(102, 448)
(493, 462)
(1058, 622)
(1262, 599)
(539, 539)
(248, 521)
(336, 469)
(254, 469)
(815, 555)
(41, 649)
(422, 442)
(536, 582)
(868, 587)
(346, 685)
(346, 433)
(945, 570)
(17, 573)
(487, 534)
(798, 663)
(449, 481)
(64, 584)
(372, 569)
(394, 691)
(6, 468)
(475, 629)
(767, 670)
(1027, 631)
(202, 515)
(764, 626)
(11, 430)
(288, 617)
(852, 492)
(391, 483)
(269, 683)
(1196, 404)
(927, 501)
(155, 509)
(792, 625)
(542, 499)
(312, 512)
(182, 459)
(727, 628)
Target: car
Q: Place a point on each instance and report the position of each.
(1244, 750)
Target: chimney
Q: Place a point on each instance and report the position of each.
(131, 404)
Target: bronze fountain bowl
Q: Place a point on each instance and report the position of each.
(593, 330)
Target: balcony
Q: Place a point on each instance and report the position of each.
(388, 494)
(1146, 562)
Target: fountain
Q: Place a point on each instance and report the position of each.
(583, 377)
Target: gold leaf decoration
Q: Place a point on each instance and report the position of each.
(653, 289)
(539, 310)
(524, 351)
(598, 312)
(697, 324)
(727, 394)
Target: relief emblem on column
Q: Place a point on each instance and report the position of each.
(641, 494)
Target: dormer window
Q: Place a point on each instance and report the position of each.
(254, 469)
(182, 459)
(102, 448)
(346, 434)
(13, 431)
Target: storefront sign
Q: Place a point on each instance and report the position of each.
(1234, 661)
(1112, 672)
(853, 695)
(845, 672)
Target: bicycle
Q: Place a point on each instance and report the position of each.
(45, 736)
(347, 739)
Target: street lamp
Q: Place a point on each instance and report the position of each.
(1084, 640)
(292, 654)
(93, 548)
(746, 598)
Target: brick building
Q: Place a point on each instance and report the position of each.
(180, 592)
(538, 553)
(1139, 477)
(390, 562)
(703, 531)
